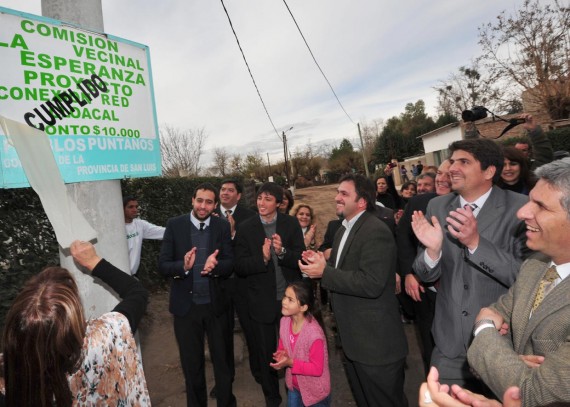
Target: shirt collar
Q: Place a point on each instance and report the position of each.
(197, 222)
(348, 224)
(479, 201)
(223, 210)
(271, 221)
(562, 269)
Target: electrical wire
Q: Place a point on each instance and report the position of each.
(249, 70)
(318, 66)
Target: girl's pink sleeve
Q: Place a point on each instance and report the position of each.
(315, 365)
(280, 346)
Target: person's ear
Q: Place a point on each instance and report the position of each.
(489, 173)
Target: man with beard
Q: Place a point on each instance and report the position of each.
(360, 277)
(197, 253)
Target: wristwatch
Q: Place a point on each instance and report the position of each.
(282, 253)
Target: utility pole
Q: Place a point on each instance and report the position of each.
(101, 201)
(268, 165)
(285, 152)
(363, 152)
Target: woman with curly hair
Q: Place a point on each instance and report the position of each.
(306, 217)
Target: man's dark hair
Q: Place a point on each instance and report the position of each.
(208, 187)
(364, 189)
(486, 151)
(127, 199)
(238, 186)
(273, 189)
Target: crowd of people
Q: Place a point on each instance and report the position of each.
(476, 251)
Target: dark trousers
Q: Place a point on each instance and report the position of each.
(377, 386)
(425, 310)
(266, 344)
(189, 331)
(236, 291)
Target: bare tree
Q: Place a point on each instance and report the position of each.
(254, 166)
(236, 165)
(221, 161)
(181, 150)
(468, 88)
(370, 134)
(531, 50)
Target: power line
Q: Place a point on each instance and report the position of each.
(318, 66)
(249, 70)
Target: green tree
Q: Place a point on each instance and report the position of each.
(400, 135)
(344, 159)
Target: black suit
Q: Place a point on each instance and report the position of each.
(191, 321)
(366, 311)
(386, 215)
(236, 293)
(407, 249)
(264, 307)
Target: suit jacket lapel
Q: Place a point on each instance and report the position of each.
(521, 313)
(336, 244)
(556, 299)
(350, 237)
(490, 211)
(187, 232)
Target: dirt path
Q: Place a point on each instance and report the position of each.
(160, 352)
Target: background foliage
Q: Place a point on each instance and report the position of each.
(29, 243)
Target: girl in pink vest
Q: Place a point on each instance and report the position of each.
(303, 348)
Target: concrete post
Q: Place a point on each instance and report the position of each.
(101, 201)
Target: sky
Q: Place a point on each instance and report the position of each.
(378, 56)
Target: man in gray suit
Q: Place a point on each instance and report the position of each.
(474, 245)
(533, 318)
(360, 277)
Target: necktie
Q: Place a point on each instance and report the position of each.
(547, 280)
(228, 213)
(202, 224)
(472, 206)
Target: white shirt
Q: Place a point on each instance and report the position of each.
(138, 230)
(348, 224)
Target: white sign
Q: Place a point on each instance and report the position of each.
(90, 92)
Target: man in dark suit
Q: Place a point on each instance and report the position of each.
(360, 277)
(533, 318)
(268, 248)
(197, 253)
(474, 246)
(236, 287)
(422, 295)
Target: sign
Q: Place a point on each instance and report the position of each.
(90, 92)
